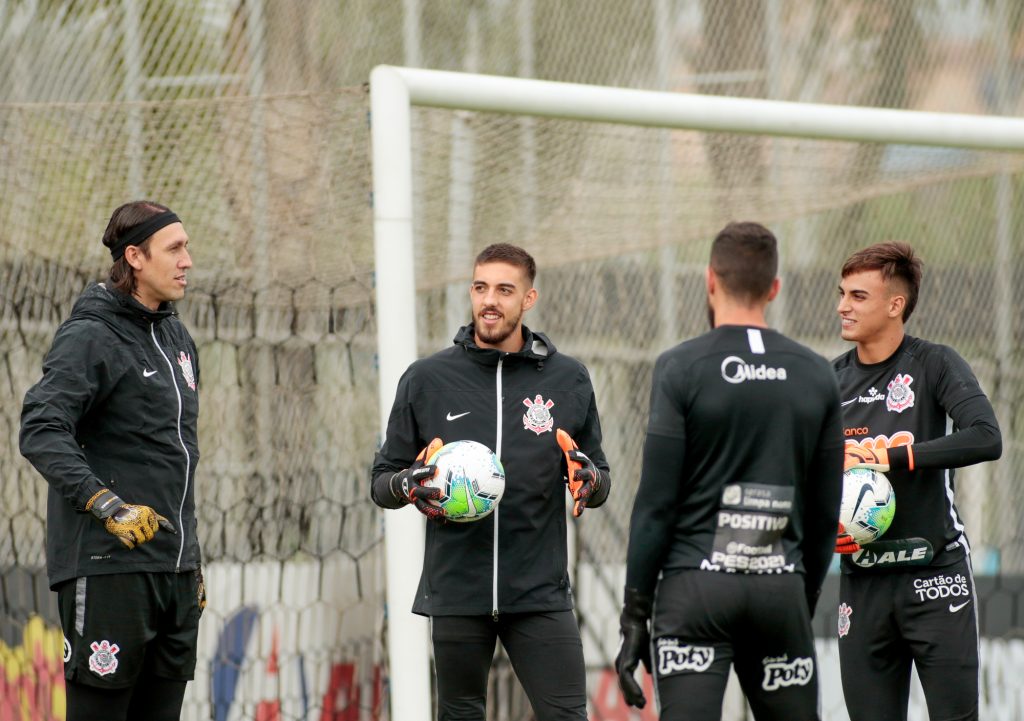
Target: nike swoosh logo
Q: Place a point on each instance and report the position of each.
(846, 403)
(954, 609)
(860, 497)
(452, 418)
(147, 374)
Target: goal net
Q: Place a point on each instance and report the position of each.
(276, 193)
(620, 218)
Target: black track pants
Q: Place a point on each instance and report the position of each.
(545, 651)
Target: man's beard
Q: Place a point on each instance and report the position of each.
(498, 334)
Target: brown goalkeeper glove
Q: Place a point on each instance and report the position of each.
(133, 525)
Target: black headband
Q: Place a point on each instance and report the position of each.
(138, 234)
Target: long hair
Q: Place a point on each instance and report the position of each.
(126, 217)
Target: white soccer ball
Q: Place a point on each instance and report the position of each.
(868, 505)
(471, 479)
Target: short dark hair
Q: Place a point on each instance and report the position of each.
(123, 219)
(895, 261)
(745, 257)
(511, 254)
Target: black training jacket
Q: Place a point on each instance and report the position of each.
(116, 407)
(514, 560)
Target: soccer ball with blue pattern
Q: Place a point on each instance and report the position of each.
(868, 504)
(471, 479)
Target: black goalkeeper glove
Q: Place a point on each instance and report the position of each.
(582, 475)
(133, 525)
(636, 645)
(407, 486)
(588, 478)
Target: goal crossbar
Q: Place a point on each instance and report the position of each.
(395, 90)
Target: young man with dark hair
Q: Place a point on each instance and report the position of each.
(111, 426)
(913, 410)
(506, 575)
(737, 505)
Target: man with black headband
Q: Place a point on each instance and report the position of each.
(111, 426)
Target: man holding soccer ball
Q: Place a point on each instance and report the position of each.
(505, 575)
(908, 598)
(737, 505)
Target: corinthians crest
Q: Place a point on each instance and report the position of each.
(185, 361)
(844, 619)
(900, 396)
(538, 416)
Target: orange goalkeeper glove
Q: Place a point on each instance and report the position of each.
(845, 542)
(582, 475)
(860, 457)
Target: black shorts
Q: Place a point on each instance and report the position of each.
(121, 625)
(924, 615)
(704, 622)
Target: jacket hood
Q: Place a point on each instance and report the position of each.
(100, 302)
(536, 348)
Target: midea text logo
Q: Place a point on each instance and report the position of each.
(736, 370)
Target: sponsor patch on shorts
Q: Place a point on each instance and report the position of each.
(780, 672)
(942, 587)
(675, 657)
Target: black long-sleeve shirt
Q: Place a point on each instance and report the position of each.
(742, 468)
(925, 406)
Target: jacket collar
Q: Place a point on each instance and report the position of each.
(101, 300)
(536, 348)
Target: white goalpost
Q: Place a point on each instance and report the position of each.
(395, 90)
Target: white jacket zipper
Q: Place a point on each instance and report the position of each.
(497, 452)
(188, 458)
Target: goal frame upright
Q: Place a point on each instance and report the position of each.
(393, 92)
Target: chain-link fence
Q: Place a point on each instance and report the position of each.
(248, 118)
